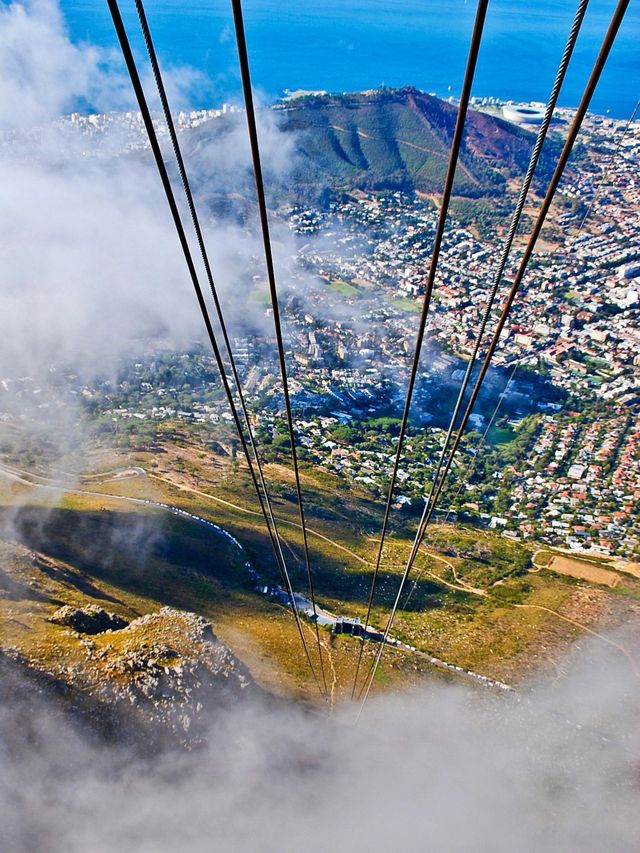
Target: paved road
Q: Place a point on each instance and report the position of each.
(303, 604)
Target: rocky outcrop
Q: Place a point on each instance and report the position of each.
(160, 679)
(144, 680)
(34, 702)
(91, 619)
(169, 668)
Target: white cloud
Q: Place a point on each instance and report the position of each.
(89, 256)
(441, 769)
(42, 74)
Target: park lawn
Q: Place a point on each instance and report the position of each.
(344, 289)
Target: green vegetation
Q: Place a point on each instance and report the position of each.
(501, 434)
(408, 305)
(474, 601)
(398, 139)
(344, 289)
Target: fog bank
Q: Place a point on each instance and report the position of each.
(442, 768)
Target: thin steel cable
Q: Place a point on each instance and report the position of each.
(471, 467)
(456, 143)
(472, 464)
(513, 227)
(469, 471)
(605, 173)
(600, 62)
(157, 74)
(546, 204)
(166, 183)
(245, 74)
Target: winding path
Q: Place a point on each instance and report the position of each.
(246, 511)
(632, 661)
(27, 478)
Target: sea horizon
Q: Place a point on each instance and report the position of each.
(370, 44)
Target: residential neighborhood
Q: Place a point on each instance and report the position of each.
(558, 418)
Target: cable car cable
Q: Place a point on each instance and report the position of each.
(205, 259)
(513, 227)
(245, 74)
(155, 147)
(469, 470)
(473, 463)
(590, 87)
(456, 144)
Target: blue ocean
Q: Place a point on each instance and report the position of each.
(346, 45)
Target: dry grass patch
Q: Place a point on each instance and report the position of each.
(583, 571)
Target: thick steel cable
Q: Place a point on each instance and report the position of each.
(472, 464)
(456, 143)
(157, 74)
(166, 183)
(513, 227)
(245, 75)
(590, 87)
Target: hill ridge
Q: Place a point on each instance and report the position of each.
(399, 139)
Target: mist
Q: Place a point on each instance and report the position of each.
(441, 768)
(87, 241)
(91, 268)
(88, 257)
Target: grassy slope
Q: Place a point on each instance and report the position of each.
(400, 139)
(136, 558)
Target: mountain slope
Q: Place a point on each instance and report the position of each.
(388, 139)
(400, 139)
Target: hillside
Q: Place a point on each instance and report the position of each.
(86, 577)
(389, 139)
(400, 139)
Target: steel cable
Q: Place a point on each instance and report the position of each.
(472, 465)
(469, 470)
(605, 172)
(245, 74)
(206, 263)
(155, 147)
(513, 227)
(592, 82)
(456, 144)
